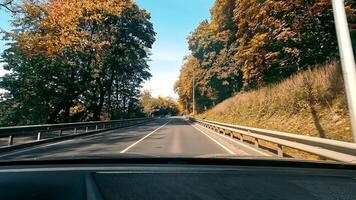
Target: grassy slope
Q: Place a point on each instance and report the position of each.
(310, 103)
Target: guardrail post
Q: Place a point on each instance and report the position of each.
(279, 151)
(10, 141)
(39, 136)
(86, 129)
(324, 148)
(75, 131)
(257, 145)
(96, 127)
(60, 133)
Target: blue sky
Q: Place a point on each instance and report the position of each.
(5, 25)
(173, 20)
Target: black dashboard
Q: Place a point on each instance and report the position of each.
(176, 179)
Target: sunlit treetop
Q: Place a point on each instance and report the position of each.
(65, 24)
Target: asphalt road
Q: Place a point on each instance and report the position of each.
(167, 137)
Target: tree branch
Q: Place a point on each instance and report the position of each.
(8, 6)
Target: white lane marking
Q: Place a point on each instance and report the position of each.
(128, 148)
(240, 143)
(221, 145)
(64, 141)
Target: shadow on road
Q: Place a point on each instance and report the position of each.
(107, 143)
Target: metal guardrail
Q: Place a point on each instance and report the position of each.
(324, 148)
(38, 132)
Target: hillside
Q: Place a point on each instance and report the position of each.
(247, 45)
(310, 103)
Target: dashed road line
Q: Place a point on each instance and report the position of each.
(132, 145)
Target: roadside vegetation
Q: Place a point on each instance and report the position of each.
(310, 103)
(249, 44)
(269, 64)
(71, 61)
(161, 106)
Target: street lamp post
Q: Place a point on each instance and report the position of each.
(186, 107)
(193, 93)
(347, 58)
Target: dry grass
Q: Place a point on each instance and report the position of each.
(310, 103)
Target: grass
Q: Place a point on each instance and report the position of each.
(309, 103)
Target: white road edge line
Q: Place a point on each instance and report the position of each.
(221, 145)
(56, 143)
(132, 145)
(240, 143)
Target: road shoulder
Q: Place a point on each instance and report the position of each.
(238, 148)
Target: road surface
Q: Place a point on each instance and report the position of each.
(165, 137)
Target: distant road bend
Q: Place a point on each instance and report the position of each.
(167, 137)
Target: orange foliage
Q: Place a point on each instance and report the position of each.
(67, 24)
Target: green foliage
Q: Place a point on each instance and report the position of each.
(248, 44)
(160, 106)
(98, 78)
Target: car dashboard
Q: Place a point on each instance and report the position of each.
(176, 179)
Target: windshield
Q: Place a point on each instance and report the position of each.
(256, 79)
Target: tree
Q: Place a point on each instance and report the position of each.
(160, 106)
(82, 54)
(351, 11)
(248, 44)
(211, 47)
(9, 5)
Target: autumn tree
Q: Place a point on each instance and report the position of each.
(160, 106)
(212, 43)
(212, 51)
(248, 44)
(83, 53)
